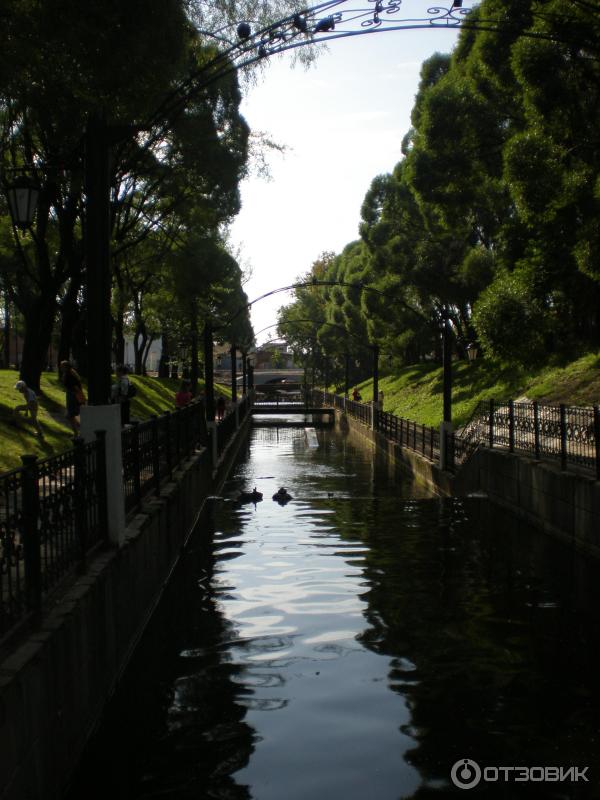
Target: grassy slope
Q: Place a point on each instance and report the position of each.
(154, 397)
(416, 392)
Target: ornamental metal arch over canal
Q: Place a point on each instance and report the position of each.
(363, 640)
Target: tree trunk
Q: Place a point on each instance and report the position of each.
(79, 348)
(163, 364)
(69, 316)
(194, 347)
(139, 343)
(6, 348)
(145, 355)
(39, 321)
(119, 344)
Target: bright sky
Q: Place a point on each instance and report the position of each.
(342, 121)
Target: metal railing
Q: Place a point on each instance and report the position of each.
(569, 435)
(410, 434)
(52, 513)
(152, 449)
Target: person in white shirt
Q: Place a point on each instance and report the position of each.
(29, 407)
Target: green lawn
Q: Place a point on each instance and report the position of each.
(415, 393)
(154, 396)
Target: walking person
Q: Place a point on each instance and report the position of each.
(184, 395)
(74, 394)
(29, 407)
(121, 392)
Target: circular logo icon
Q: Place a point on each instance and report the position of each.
(465, 773)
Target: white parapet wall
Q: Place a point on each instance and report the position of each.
(108, 418)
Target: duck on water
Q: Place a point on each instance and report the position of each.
(282, 496)
(250, 497)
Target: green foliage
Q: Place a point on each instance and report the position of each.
(492, 216)
(509, 321)
(63, 64)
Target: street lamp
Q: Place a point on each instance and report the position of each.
(447, 365)
(22, 195)
(472, 351)
(250, 362)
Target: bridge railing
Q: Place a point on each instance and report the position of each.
(52, 514)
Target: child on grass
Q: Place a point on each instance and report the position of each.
(29, 407)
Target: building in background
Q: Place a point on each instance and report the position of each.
(274, 355)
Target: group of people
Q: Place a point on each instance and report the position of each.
(121, 392)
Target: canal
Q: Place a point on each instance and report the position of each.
(356, 643)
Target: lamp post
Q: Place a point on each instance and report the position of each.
(446, 446)
(233, 353)
(250, 368)
(346, 374)
(447, 365)
(375, 349)
(472, 351)
(22, 194)
(209, 384)
(244, 373)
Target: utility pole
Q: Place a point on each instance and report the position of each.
(97, 260)
(447, 366)
(233, 353)
(209, 380)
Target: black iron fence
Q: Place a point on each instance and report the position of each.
(569, 435)
(410, 434)
(152, 449)
(52, 513)
(405, 432)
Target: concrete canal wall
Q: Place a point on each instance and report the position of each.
(55, 685)
(564, 504)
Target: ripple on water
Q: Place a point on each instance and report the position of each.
(385, 638)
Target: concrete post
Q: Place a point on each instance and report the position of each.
(108, 418)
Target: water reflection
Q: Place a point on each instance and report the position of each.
(176, 727)
(356, 642)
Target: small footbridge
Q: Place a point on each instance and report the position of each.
(286, 408)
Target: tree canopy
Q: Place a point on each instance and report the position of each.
(492, 215)
(175, 166)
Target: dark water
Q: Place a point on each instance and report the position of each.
(356, 643)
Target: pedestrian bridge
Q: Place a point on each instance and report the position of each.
(286, 407)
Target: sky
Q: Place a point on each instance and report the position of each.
(342, 121)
